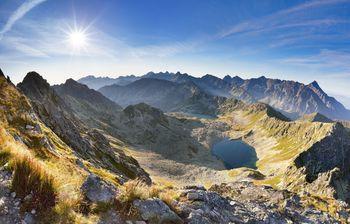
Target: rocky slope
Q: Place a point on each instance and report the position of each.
(88, 105)
(88, 143)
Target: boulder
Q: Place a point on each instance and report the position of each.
(29, 127)
(97, 190)
(156, 211)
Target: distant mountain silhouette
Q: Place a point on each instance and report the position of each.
(164, 94)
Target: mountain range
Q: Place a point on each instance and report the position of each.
(292, 98)
(140, 152)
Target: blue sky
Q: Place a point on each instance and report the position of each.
(294, 40)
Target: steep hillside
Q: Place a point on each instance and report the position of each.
(43, 173)
(89, 144)
(87, 104)
(166, 95)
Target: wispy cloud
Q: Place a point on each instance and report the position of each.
(281, 19)
(331, 59)
(18, 14)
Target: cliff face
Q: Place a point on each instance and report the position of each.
(324, 167)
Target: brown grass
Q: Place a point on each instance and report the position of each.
(137, 189)
(30, 178)
(55, 193)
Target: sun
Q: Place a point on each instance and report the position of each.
(77, 39)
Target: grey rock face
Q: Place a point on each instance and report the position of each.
(98, 191)
(9, 206)
(156, 211)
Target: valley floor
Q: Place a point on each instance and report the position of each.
(180, 174)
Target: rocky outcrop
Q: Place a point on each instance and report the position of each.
(244, 202)
(1, 73)
(9, 205)
(98, 191)
(156, 211)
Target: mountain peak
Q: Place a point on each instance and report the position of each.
(228, 77)
(315, 85)
(1, 73)
(35, 79)
(208, 76)
(71, 82)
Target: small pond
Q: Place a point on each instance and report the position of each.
(235, 153)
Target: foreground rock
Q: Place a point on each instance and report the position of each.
(156, 211)
(98, 191)
(244, 202)
(9, 204)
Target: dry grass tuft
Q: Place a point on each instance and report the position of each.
(134, 189)
(30, 178)
(169, 196)
(137, 189)
(54, 185)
